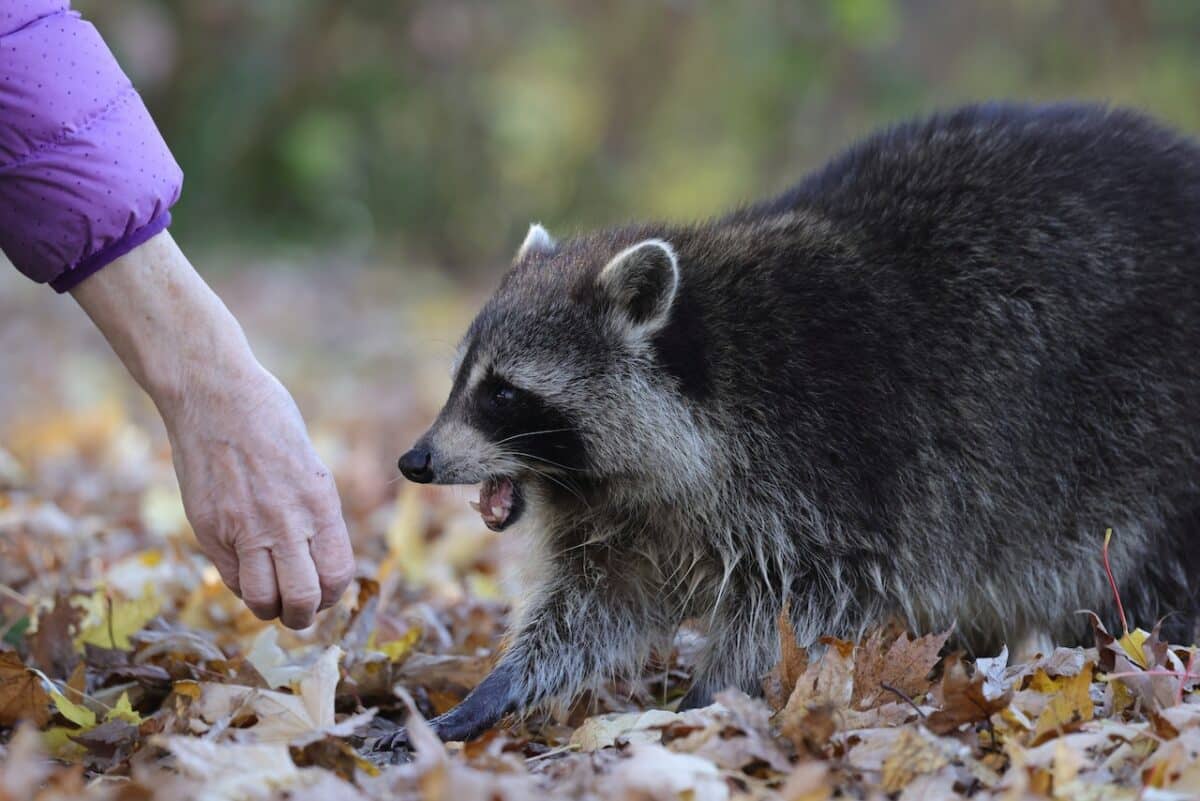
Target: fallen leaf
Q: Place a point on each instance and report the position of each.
(912, 754)
(123, 710)
(397, 649)
(963, 698)
(653, 772)
(109, 619)
(234, 771)
(51, 638)
(793, 661)
(903, 667)
(281, 717)
(23, 694)
(24, 767)
(272, 662)
(809, 781)
(1070, 703)
(78, 714)
(602, 731)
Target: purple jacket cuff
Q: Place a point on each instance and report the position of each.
(84, 174)
(92, 264)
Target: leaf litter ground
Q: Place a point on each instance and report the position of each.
(127, 671)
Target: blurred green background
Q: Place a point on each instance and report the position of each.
(432, 132)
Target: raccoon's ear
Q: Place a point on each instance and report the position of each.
(640, 282)
(538, 240)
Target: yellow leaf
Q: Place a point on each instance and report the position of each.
(124, 711)
(912, 755)
(109, 621)
(1070, 703)
(57, 740)
(1132, 643)
(78, 714)
(397, 649)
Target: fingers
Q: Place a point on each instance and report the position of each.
(256, 577)
(226, 563)
(299, 586)
(334, 560)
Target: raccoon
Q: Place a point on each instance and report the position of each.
(920, 384)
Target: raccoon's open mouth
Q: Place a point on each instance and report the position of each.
(500, 502)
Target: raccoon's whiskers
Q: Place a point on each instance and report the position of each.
(542, 459)
(532, 434)
(575, 492)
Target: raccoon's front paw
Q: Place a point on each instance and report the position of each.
(397, 743)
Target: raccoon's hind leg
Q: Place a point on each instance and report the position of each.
(742, 648)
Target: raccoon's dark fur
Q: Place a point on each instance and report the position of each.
(921, 383)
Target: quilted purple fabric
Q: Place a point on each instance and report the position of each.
(85, 176)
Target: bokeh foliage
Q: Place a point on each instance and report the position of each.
(438, 129)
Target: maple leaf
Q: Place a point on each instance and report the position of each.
(902, 668)
(826, 686)
(23, 694)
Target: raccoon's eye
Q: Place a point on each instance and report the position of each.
(503, 395)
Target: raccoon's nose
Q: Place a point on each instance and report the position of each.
(416, 465)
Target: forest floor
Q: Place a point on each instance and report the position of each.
(128, 671)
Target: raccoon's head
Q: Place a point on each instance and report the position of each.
(556, 389)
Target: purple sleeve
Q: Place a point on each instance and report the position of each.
(85, 176)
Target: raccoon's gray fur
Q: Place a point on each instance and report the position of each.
(921, 383)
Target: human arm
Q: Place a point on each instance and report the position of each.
(264, 508)
(86, 184)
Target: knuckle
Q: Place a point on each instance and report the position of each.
(338, 576)
(259, 600)
(303, 600)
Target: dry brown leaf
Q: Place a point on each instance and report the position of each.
(963, 698)
(52, 646)
(902, 667)
(23, 694)
(793, 661)
(808, 719)
(603, 731)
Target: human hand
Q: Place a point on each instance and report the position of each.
(264, 508)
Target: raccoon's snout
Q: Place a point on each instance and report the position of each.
(417, 465)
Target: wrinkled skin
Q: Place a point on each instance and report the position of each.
(264, 508)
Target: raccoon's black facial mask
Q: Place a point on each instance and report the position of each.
(527, 430)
